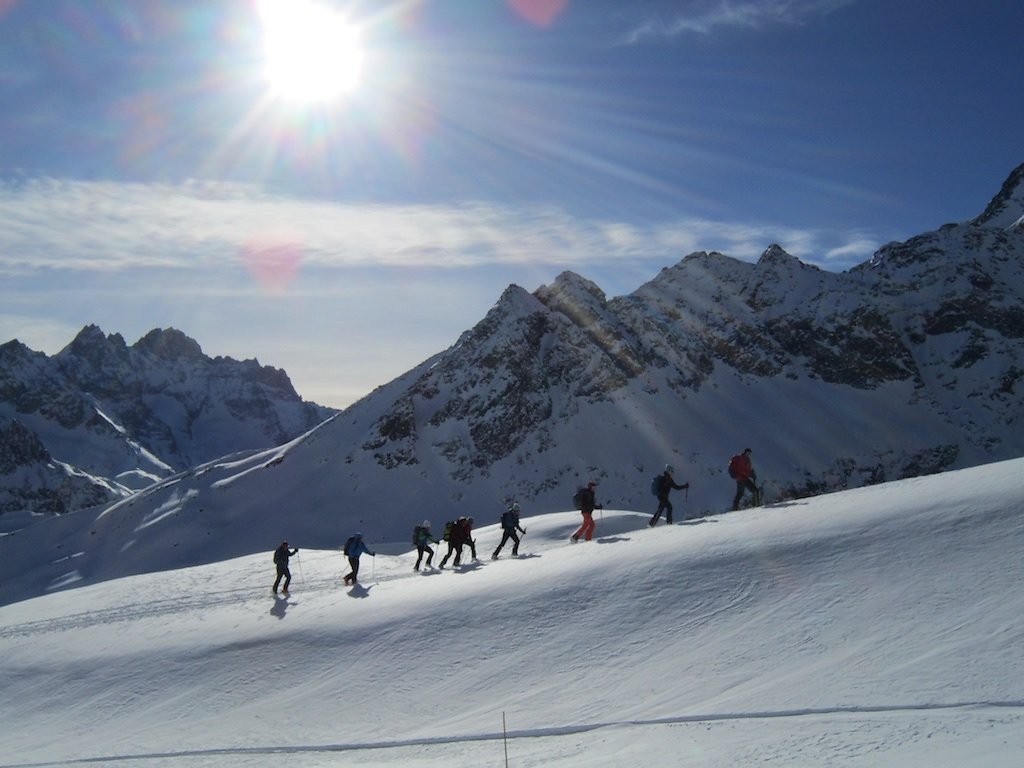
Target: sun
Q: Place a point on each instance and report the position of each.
(311, 53)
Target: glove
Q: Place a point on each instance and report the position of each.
(686, 485)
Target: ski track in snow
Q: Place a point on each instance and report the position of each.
(534, 733)
(157, 607)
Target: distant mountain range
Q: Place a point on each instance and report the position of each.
(909, 364)
(100, 420)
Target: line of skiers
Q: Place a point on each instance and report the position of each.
(458, 533)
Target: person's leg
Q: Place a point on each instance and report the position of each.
(661, 507)
(589, 525)
(448, 554)
(752, 487)
(287, 579)
(277, 581)
(515, 542)
(668, 511)
(504, 538)
(419, 558)
(738, 496)
(430, 555)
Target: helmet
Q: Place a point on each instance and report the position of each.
(426, 523)
(669, 469)
(358, 535)
(515, 506)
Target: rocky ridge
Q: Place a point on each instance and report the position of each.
(101, 419)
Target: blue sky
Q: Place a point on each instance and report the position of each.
(150, 176)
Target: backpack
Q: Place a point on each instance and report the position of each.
(507, 520)
(577, 498)
(417, 534)
(448, 530)
(656, 485)
(349, 545)
(732, 467)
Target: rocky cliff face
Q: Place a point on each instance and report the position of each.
(101, 418)
(910, 363)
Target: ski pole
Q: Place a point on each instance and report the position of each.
(298, 560)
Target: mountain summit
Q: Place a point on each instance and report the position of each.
(1006, 211)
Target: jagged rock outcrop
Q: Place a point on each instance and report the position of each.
(114, 417)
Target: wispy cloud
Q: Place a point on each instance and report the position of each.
(708, 16)
(73, 226)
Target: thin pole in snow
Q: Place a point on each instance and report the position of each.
(504, 738)
(302, 579)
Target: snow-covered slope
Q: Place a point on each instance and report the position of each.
(879, 626)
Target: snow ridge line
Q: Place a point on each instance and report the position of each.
(534, 733)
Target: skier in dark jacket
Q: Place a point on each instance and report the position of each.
(423, 539)
(354, 547)
(665, 486)
(587, 503)
(741, 469)
(281, 555)
(459, 536)
(510, 526)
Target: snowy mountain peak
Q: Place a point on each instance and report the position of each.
(777, 256)
(515, 301)
(574, 296)
(169, 344)
(774, 253)
(92, 345)
(1006, 211)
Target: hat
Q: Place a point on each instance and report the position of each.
(747, 450)
(514, 506)
(358, 535)
(669, 469)
(592, 484)
(426, 523)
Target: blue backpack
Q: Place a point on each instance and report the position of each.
(656, 485)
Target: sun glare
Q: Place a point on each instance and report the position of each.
(311, 52)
